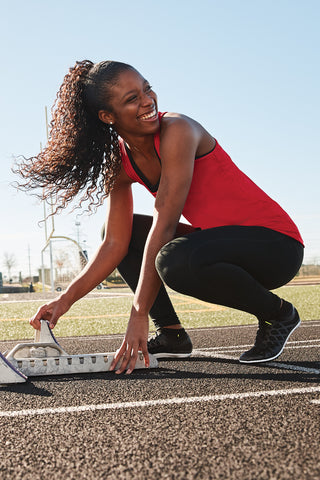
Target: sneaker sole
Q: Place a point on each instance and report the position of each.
(171, 355)
(263, 360)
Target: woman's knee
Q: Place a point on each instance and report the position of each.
(172, 263)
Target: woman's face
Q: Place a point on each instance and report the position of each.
(134, 106)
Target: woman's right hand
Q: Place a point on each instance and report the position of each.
(51, 311)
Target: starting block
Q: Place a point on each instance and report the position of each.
(46, 357)
(9, 374)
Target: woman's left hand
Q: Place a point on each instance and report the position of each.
(134, 341)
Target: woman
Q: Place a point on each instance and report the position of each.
(106, 134)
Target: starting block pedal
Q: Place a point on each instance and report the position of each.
(10, 374)
(46, 357)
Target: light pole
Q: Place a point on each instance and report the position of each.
(78, 224)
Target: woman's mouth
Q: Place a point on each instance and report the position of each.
(153, 115)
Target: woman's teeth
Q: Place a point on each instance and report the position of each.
(149, 115)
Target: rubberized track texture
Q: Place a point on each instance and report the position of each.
(206, 417)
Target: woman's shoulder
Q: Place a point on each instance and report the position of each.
(177, 123)
(176, 126)
(172, 118)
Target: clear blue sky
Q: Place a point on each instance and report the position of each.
(248, 70)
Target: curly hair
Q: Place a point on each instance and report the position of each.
(82, 154)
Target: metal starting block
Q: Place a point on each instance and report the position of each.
(9, 374)
(46, 357)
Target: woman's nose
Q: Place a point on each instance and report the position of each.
(147, 100)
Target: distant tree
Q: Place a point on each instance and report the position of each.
(9, 262)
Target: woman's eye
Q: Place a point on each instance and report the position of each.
(133, 98)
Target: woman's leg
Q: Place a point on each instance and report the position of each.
(234, 266)
(171, 339)
(162, 312)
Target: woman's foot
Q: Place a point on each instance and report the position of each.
(272, 337)
(170, 343)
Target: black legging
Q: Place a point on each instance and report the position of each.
(234, 266)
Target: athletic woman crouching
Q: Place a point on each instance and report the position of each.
(106, 134)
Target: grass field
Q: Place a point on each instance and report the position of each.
(100, 316)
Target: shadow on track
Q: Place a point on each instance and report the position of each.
(27, 388)
(253, 372)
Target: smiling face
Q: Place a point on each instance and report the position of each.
(133, 105)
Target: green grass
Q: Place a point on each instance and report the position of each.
(100, 316)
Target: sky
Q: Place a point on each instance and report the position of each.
(247, 70)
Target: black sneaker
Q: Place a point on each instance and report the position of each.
(271, 338)
(170, 343)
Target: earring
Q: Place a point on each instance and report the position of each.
(110, 123)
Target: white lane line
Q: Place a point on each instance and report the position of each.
(213, 355)
(282, 366)
(152, 403)
(304, 324)
(316, 402)
(304, 341)
(240, 348)
(288, 347)
(293, 344)
(297, 368)
(98, 296)
(225, 348)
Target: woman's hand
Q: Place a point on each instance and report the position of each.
(134, 341)
(51, 311)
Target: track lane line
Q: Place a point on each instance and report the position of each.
(242, 347)
(290, 342)
(279, 365)
(152, 403)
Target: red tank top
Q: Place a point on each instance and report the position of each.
(221, 194)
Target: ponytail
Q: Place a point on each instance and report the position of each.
(82, 154)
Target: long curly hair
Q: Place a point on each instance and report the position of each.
(82, 154)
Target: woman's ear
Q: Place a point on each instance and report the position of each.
(105, 117)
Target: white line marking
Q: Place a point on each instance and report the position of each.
(290, 343)
(165, 401)
(282, 366)
(241, 347)
(296, 368)
(316, 402)
(213, 355)
(44, 300)
(304, 324)
(292, 347)
(226, 348)
(304, 341)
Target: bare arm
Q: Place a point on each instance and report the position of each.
(106, 259)
(114, 246)
(178, 148)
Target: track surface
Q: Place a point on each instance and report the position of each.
(207, 417)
